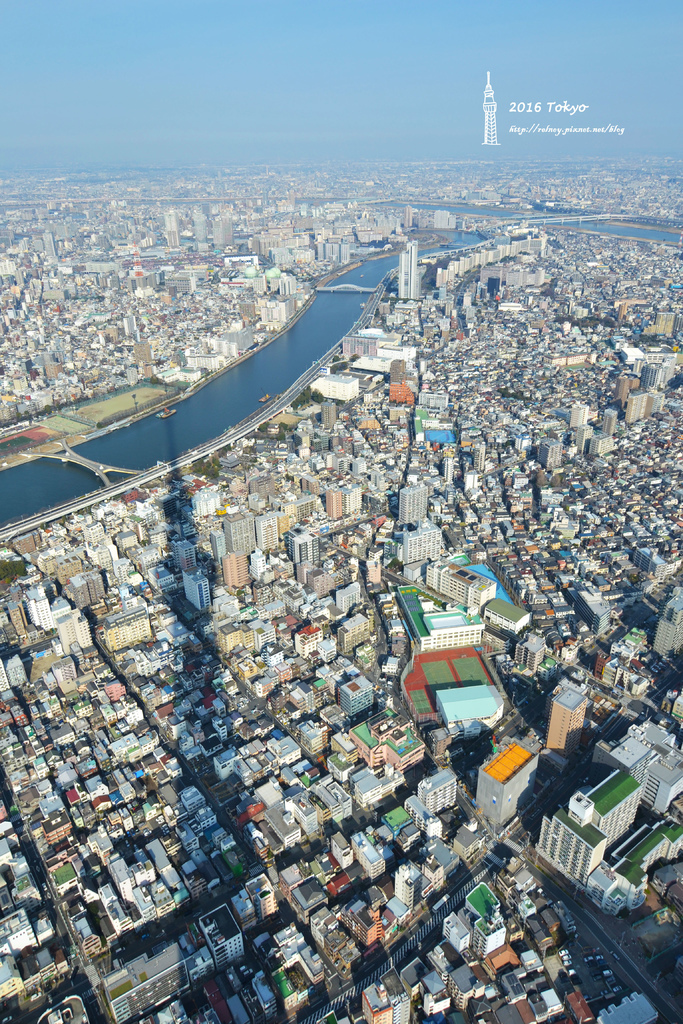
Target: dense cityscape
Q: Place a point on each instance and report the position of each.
(372, 712)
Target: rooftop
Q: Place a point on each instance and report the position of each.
(589, 834)
(610, 793)
(483, 902)
(508, 762)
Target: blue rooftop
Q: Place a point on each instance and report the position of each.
(440, 436)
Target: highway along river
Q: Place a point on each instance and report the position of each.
(221, 404)
(226, 400)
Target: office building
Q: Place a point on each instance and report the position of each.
(266, 532)
(412, 504)
(408, 274)
(459, 584)
(578, 415)
(235, 570)
(145, 984)
(421, 544)
(550, 454)
(669, 635)
(439, 791)
(217, 541)
(127, 628)
(570, 840)
(506, 782)
(71, 625)
(328, 414)
(639, 406)
(565, 722)
(609, 421)
(223, 938)
(38, 607)
(583, 435)
(356, 695)
(240, 533)
(196, 588)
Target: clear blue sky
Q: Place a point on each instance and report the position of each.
(157, 82)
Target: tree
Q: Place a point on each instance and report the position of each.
(10, 569)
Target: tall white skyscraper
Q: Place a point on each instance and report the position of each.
(412, 503)
(172, 229)
(408, 277)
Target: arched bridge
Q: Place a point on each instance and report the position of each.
(67, 454)
(345, 288)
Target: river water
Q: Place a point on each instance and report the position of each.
(222, 403)
(27, 489)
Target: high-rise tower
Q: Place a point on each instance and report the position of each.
(490, 107)
(408, 277)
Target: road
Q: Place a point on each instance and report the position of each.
(624, 965)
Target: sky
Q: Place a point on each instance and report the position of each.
(152, 83)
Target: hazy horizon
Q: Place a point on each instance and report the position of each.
(169, 85)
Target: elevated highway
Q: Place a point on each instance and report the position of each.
(241, 430)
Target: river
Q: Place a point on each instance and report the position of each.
(220, 404)
(226, 400)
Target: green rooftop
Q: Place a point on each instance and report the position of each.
(397, 818)
(364, 735)
(283, 985)
(506, 608)
(64, 874)
(483, 902)
(410, 600)
(612, 792)
(632, 872)
(589, 834)
(670, 832)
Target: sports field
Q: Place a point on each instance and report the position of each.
(454, 669)
(26, 438)
(122, 404)
(470, 671)
(63, 425)
(438, 672)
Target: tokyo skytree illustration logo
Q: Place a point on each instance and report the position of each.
(490, 106)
